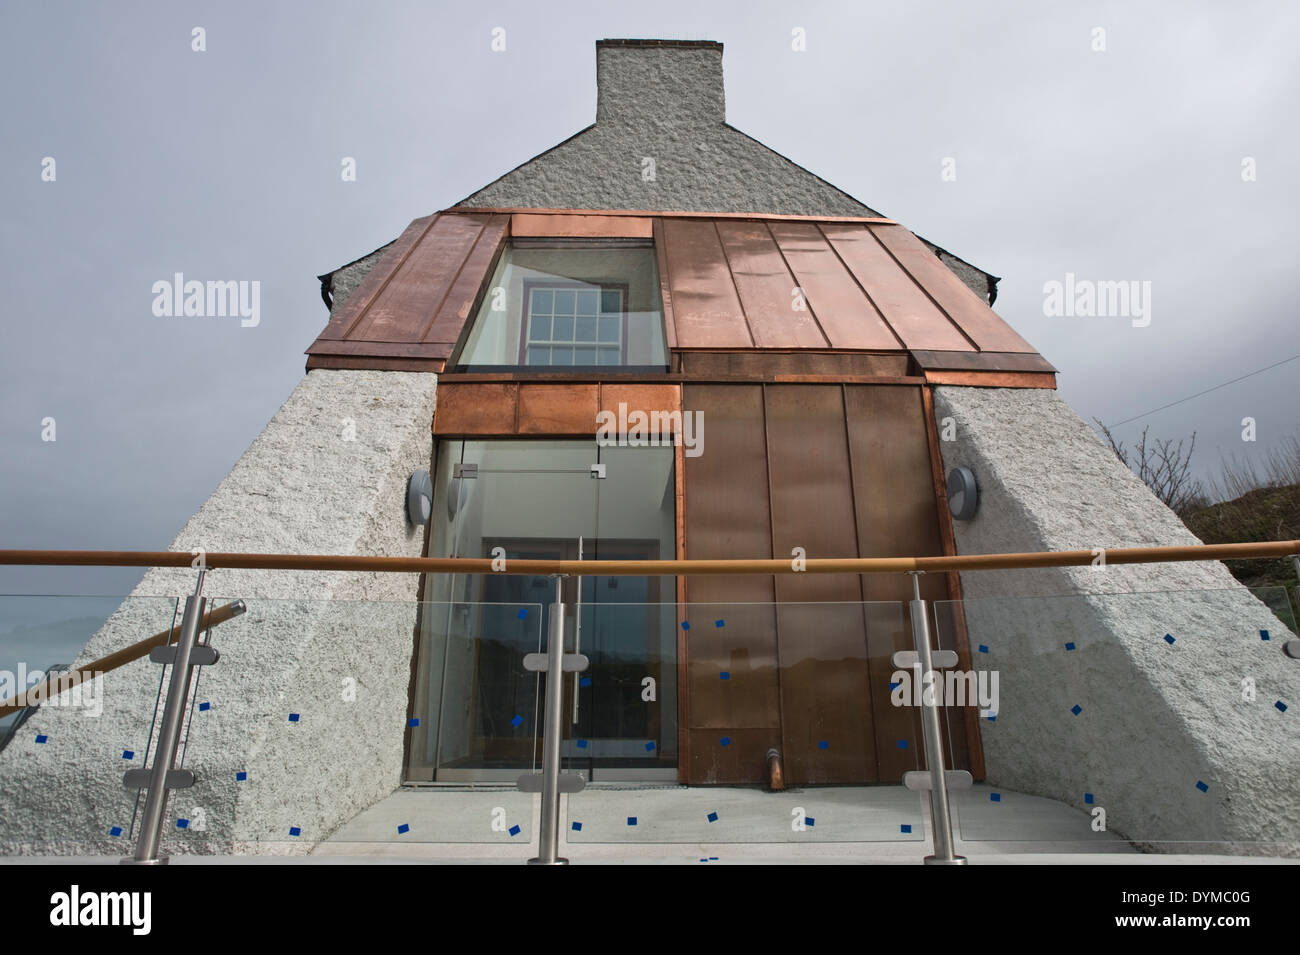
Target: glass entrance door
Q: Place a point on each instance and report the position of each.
(479, 711)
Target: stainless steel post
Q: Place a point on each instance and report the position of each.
(940, 815)
(151, 823)
(548, 840)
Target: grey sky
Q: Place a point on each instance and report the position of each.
(225, 164)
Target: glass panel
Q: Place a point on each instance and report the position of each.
(1138, 721)
(539, 328)
(743, 702)
(617, 280)
(64, 751)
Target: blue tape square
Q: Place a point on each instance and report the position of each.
(582, 744)
(182, 823)
(403, 828)
(577, 827)
(295, 831)
(241, 776)
(413, 721)
(204, 707)
(895, 685)
(128, 754)
(1281, 706)
(522, 614)
(1087, 797)
(1263, 635)
(1169, 639)
(515, 830)
(115, 831)
(995, 797)
(823, 744)
(992, 717)
(719, 623)
(712, 817)
(686, 625)
(650, 746)
(713, 858)
(905, 828)
(584, 681)
(42, 738)
(810, 821)
(517, 720)
(1202, 787)
(1069, 646)
(1076, 709)
(724, 675)
(984, 648)
(293, 717)
(631, 820)
(725, 741)
(902, 744)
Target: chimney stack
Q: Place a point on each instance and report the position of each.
(659, 83)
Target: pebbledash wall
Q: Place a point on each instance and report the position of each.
(1175, 715)
(1155, 718)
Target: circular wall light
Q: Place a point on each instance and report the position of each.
(963, 494)
(419, 498)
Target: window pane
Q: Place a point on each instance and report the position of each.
(609, 356)
(547, 287)
(539, 355)
(584, 355)
(562, 356)
(539, 329)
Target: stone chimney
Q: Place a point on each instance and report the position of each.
(659, 82)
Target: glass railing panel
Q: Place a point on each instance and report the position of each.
(321, 706)
(64, 754)
(1148, 721)
(799, 690)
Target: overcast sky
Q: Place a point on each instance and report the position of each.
(1122, 163)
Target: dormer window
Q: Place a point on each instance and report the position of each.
(569, 304)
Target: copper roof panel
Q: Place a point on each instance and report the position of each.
(417, 289)
(706, 309)
(580, 226)
(345, 318)
(846, 315)
(911, 314)
(728, 284)
(767, 290)
(966, 309)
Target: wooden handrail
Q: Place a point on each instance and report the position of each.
(643, 568)
(67, 679)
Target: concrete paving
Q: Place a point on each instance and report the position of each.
(665, 824)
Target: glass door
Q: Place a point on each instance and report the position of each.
(479, 711)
